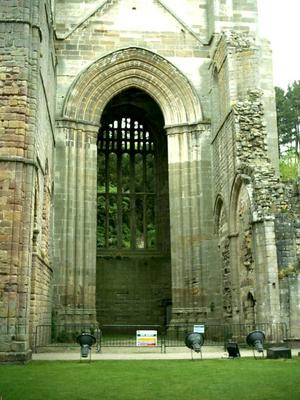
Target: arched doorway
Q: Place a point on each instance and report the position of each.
(133, 235)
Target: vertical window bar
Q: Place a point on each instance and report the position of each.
(132, 202)
(119, 199)
(106, 228)
(144, 197)
(145, 220)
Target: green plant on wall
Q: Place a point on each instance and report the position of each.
(289, 166)
(288, 271)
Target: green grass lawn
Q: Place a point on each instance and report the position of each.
(238, 379)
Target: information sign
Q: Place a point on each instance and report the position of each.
(146, 338)
(199, 328)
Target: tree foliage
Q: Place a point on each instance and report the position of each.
(288, 122)
(289, 165)
(126, 202)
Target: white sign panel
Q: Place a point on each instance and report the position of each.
(199, 328)
(146, 338)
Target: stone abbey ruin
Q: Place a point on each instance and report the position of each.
(139, 179)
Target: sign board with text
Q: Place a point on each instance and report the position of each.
(146, 338)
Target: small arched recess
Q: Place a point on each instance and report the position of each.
(242, 260)
(221, 229)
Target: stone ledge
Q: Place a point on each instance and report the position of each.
(15, 357)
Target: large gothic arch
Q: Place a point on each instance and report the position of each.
(78, 128)
(132, 67)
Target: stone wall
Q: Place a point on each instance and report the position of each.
(91, 39)
(133, 290)
(238, 15)
(41, 279)
(287, 237)
(266, 199)
(196, 279)
(96, 31)
(22, 164)
(295, 209)
(89, 52)
(242, 164)
(245, 176)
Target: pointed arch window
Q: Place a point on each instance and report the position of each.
(126, 193)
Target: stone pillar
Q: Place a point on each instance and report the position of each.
(15, 257)
(266, 270)
(19, 55)
(189, 184)
(75, 217)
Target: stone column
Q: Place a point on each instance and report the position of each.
(266, 270)
(15, 257)
(75, 216)
(189, 185)
(19, 55)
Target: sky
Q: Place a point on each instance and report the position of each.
(280, 23)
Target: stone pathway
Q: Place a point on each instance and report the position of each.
(212, 352)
